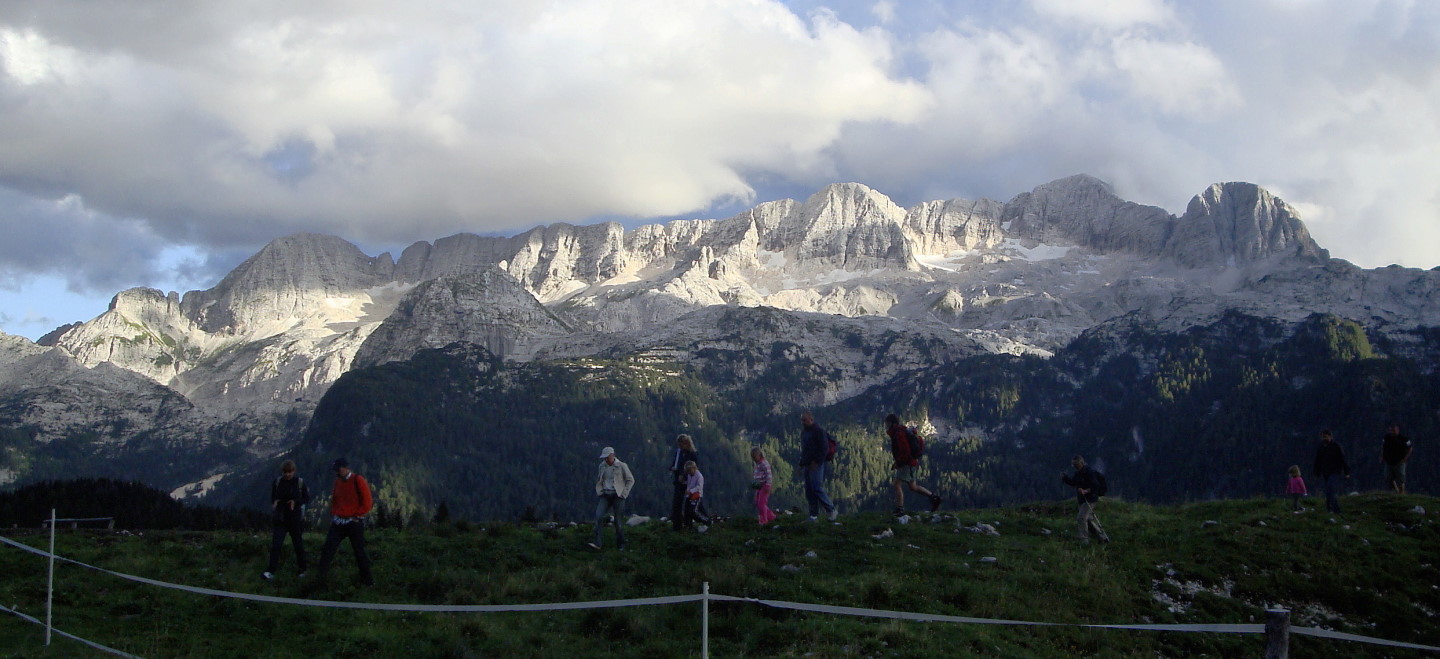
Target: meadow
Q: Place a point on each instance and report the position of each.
(1371, 571)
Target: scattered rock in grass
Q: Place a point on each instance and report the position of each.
(750, 543)
(887, 533)
(1418, 510)
(1209, 523)
(988, 559)
(983, 529)
(789, 568)
(1262, 523)
(811, 554)
(912, 546)
(1045, 531)
(636, 520)
(904, 519)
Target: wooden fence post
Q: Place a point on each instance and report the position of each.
(1277, 634)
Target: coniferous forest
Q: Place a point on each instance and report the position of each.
(1214, 412)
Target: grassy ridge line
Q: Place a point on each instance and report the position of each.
(1375, 578)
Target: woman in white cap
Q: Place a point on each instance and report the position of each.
(612, 485)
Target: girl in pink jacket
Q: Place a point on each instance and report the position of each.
(1295, 488)
(760, 482)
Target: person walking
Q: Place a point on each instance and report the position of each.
(288, 496)
(612, 485)
(905, 465)
(350, 502)
(694, 498)
(1088, 485)
(1395, 453)
(1330, 468)
(760, 481)
(1295, 487)
(814, 449)
(684, 452)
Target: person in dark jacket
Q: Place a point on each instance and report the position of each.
(905, 466)
(684, 452)
(1395, 451)
(1086, 485)
(288, 496)
(814, 449)
(1330, 467)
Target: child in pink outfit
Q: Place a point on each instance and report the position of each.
(760, 481)
(1296, 487)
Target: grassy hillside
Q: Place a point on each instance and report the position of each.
(1371, 571)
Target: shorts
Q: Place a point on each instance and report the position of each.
(905, 474)
(1395, 473)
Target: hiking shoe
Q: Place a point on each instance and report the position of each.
(268, 576)
(834, 512)
(899, 512)
(593, 546)
(812, 518)
(935, 500)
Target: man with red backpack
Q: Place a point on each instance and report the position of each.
(815, 456)
(907, 446)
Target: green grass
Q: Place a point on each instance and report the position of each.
(1377, 577)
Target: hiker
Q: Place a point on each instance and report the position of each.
(1330, 467)
(1394, 453)
(905, 463)
(288, 496)
(814, 449)
(694, 498)
(612, 485)
(1089, 485)
(760, 481)
(684, 452)
(350, 502)
(1295, 487)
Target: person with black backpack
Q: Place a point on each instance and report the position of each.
(1089, 487)
(288, 496)
(815, 456)
(907, 446)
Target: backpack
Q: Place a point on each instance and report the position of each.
(1101, 487)
(917, 443)
(831, 447)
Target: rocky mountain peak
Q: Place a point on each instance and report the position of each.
(1083, 210)
(1232, 223)
(847, 224)
(284, 280)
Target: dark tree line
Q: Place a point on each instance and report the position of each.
(133, 505)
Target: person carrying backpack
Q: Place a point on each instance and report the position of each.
(814, 451)
(350, 502)
(1089, 487)
(907, 447)
(288, 496)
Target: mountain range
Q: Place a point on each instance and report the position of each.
(835, 303)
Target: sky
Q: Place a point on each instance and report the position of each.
(160, 144)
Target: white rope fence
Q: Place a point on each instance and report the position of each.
(705, 597)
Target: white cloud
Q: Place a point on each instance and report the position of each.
(1106, 14)
(1177, 78)
(414, 124)
(223, 125)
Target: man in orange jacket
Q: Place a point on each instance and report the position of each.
(350, 502)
